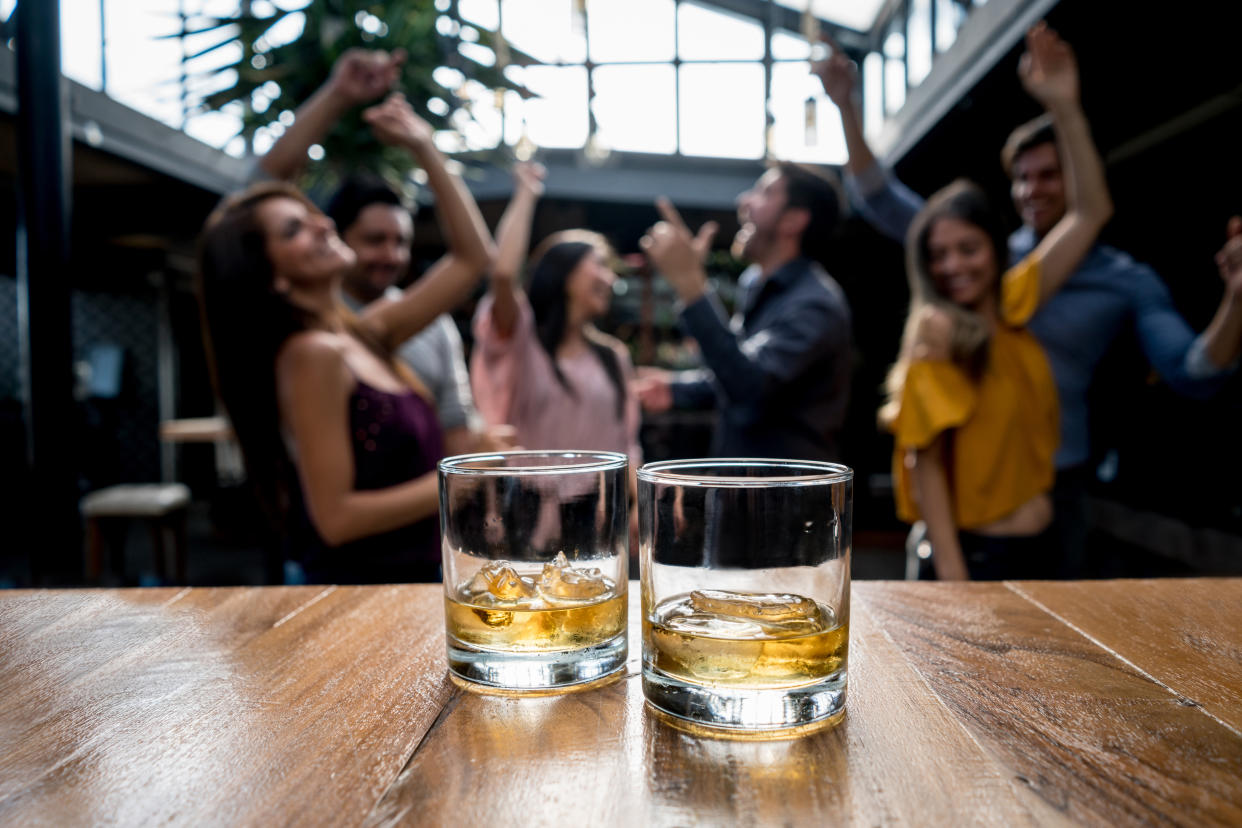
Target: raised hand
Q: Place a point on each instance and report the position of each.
(361, 75)
(395, 123)
(1048, 69)
(677, 253)
(837, 73)
(1229, 259)
(529, 176)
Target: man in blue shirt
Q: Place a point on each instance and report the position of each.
(1107, 293)
(779, 370)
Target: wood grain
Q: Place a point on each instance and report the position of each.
(1091, 736)
(989, 704)
(605, 757)
(248, 706)
(1191, 640)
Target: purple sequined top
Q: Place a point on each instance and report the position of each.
(395, 438)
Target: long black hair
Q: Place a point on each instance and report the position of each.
(245, 321)
(552, 264)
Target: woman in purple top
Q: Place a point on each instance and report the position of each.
(339, 439)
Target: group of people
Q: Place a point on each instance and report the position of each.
(344, 392)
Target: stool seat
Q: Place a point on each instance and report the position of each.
(136, 500)
(162, 506)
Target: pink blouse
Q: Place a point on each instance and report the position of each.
(513, 383)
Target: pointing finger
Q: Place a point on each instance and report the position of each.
(669, 213)
(703, 241)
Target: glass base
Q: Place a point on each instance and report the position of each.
(738, 710)
(536, 671)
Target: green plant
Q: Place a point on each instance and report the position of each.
(273, 79)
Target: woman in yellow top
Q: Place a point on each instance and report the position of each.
(971, 400)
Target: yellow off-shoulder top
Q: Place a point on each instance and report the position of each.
(1004, 428)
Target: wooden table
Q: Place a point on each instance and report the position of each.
(999, 704)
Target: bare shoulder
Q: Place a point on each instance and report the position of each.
(933, 334)
(312, 355)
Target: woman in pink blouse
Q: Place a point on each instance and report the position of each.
(539, 363)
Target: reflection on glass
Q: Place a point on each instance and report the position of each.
(708, 34)
(635, 108)
(631, 31)
(722, 110)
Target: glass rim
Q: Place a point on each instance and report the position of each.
(666, 471)
(576, 462)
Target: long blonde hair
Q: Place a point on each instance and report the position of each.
(969, 344)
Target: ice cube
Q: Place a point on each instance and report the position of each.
(494, 618)
(560, 581)
(772, 611)
(498, 581)
(714, 626)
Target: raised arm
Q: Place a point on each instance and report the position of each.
(512, 244)
(358, 76)
(1049, 72)
(1222, 340)
(884, 202)
(313, 384)
(450, 280)
(746, 371)
(840, 79)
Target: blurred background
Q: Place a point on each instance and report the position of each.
(153, 109)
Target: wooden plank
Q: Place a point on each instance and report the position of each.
(1187, 634)
(234, 706)
(603, 758)
(1092, 736)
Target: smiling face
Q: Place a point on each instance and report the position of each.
(1038, 188)
(588, 290)
(961, 261)
(302, 245)
(380, 237)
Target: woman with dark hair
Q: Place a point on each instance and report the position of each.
(539, 362)
(971, 399)
(339, 439)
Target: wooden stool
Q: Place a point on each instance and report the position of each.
(162, 505)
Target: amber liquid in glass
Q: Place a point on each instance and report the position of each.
(745, 640)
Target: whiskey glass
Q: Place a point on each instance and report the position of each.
(536, 560)
(745, 579)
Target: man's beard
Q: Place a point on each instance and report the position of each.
(363, 286)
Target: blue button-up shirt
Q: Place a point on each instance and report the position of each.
(779, 371)
(1076, 326)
